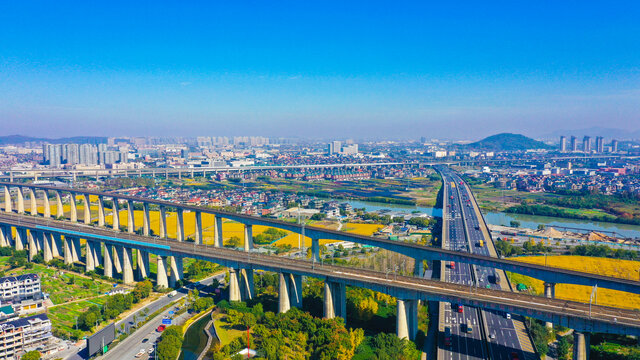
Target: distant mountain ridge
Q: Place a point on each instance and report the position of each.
(21, 139)
(507, 142)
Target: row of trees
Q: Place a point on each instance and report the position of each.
(170, 343)
(114, 306)
(604, 251)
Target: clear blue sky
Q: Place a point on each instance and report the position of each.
(318, 69)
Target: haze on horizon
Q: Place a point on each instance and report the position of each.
(356, 69)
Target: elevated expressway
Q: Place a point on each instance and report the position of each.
(16, 194)
(47, 234)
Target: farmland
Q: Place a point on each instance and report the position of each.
(624, 269)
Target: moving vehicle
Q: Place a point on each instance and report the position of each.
(481, 243)
(508, 316)
(141, 353)
(161, 328)
(447, 336)
(460, 308)
(452, 265)
(173, 293)
(469, 327)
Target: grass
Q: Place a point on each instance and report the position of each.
(624, 269)
(225, 333)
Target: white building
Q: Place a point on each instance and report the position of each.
(21, 287)
(26, 334)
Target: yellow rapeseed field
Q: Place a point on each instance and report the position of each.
(625, 269)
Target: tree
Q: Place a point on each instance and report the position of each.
(233, 242)
(142, 290)
(514, 223)
(541, 227)
(366, 308)
(563, 348)
(169, 347)
(31, 355)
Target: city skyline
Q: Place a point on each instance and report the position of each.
(330, 70)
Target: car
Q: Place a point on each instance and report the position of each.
(460, 308)
(161, 328)
(141, 353)
(145, 340)
(492, 336)
(508, 316)
(150, 350)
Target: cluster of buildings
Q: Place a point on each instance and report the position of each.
(338, 148)
(19, 296)
(71, 155)
(587, 146)
(604, 180)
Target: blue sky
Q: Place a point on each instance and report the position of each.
(318, 69)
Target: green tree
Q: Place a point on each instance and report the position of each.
(514, 223)
(563, 348)
(31, 355)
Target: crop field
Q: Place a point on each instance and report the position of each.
(64, 317)
(625, 269)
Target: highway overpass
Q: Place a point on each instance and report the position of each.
(16, 194)
(112, 250)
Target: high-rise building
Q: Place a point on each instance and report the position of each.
(563, 143)
(350, 149)
(599, 144)
(586, 144)
(574, 144)
(614, 146)
(88, 154)
(52, 154)
(25, 334)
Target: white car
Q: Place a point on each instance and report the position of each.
(141, 353)
(508, 316)
(150, 350)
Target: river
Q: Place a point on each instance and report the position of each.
(504, 219)
(195, 339)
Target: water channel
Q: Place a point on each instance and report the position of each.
(195, 339)
(504, 219)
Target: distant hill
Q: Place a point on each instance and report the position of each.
(20, 139)
(507, 142)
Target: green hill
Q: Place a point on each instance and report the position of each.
(507, 142)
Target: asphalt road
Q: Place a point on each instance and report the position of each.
(503, 342)
(136, 341)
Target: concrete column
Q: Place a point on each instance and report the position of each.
(198, 227)
(88, 257)
(59, 207)
(3, 237)
(33, 205)
(581, 346)
(20, 201)
(39, 239)
(101, 216)
(163, 221)
(21, 237)
(131, 219)
(7, 199)
(108, 260)
(180, 224)
(177, 272)
(146, 219)
(46, 242)
(283, 296)
(247, 288)
(143, 264)
(248, 237)
(33, 248)
(550, 292)
(47, 205)
(116, 214)
(87, 208)
(162, 280)
(56, 244)
(407, 319)
(117, 256)
(234, 287)
(217, 233)
(97, 253)
(76, 249)
(127, 267)
(334, 300)
(66, 249)
(74, 208)
(315, 249)
(418, 268)
(294, 283)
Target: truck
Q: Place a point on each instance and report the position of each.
(173, 293)
(469, 327)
